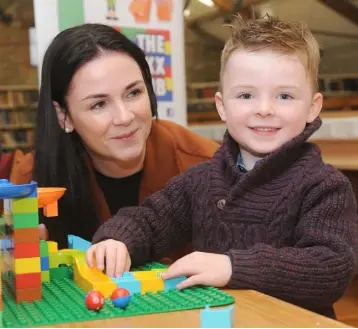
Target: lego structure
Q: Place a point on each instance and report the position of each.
(42, 285)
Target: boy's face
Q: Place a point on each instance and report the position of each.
(267, 99)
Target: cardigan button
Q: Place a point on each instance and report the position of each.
(221, 203)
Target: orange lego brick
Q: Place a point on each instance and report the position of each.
(26, 235)
(27, 250)
(29, 280)
(28, 295)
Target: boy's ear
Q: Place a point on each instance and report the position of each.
(220, 106)
(315, 107)
(64, 120)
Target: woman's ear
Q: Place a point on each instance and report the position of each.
(64, 120)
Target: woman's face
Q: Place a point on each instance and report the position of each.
(109, 108)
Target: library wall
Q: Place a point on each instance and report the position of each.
(15, 65)
(202, 58)
(342, 60)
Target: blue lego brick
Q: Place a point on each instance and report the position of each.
(172, 283)
(217, 318)
(75, 242)
(45, 264)
(127, 281)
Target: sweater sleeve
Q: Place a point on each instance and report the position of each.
(157, 227)
(316, 270)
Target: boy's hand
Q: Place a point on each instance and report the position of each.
(201, 268)
(112, 253)
(43, 232)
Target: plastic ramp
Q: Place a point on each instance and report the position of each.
(91, 278)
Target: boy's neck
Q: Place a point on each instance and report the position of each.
(248, 159)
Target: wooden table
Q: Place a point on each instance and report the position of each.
(252, 309)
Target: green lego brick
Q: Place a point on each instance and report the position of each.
(64, 302)
(45, 276)
(26, 205)
(43, 248)
(25, 220)
(59, 273)
(1, 320)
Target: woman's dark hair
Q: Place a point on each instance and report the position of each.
(60, 157)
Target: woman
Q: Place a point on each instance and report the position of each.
(95, 133)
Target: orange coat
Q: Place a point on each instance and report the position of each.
(170, 150)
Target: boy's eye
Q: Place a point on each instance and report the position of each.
(245, 96)
(98, 105)
(285, 96)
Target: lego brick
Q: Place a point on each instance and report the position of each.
(27, 265)
(25, 220)
(59, 273)
(51, 210)
(127, 281)
(28, 295)
(57, 259)
(25, 205)
(75, 242)
(150, 281)
(26, 250)
(28, 280)
(172, 283)
(26, 235)
(45, 264)
(52, 246)
(218, 318)
(45, 276)
(43, 248)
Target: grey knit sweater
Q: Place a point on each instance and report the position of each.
(289, 225)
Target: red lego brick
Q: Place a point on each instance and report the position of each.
(29, 280)
(26, 235)
(27, 250)
(28, 295)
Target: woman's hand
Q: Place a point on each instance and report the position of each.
(43, 232)
(111, 254)
(201, 268)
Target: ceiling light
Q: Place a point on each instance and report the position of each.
(186, 12)
(208, 3)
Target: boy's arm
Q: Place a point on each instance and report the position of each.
(160, 225)
(316, 270)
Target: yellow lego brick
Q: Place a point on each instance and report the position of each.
(167, 48)
(52, 246)
(27, 265)
(25, 205)
(45, 276)
(169, 83)
(150, 281)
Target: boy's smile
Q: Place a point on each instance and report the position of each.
(267, 99)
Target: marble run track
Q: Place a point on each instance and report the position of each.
(58, 280)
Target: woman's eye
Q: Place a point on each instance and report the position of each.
(134, 93)
(98, 105)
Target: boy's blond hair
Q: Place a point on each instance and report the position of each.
(268, 33)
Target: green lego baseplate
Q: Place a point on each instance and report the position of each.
(64, 302)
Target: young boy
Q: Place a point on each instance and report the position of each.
(265, 213)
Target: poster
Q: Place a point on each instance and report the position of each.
(151, 24)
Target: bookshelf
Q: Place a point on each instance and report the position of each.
(18, 105)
